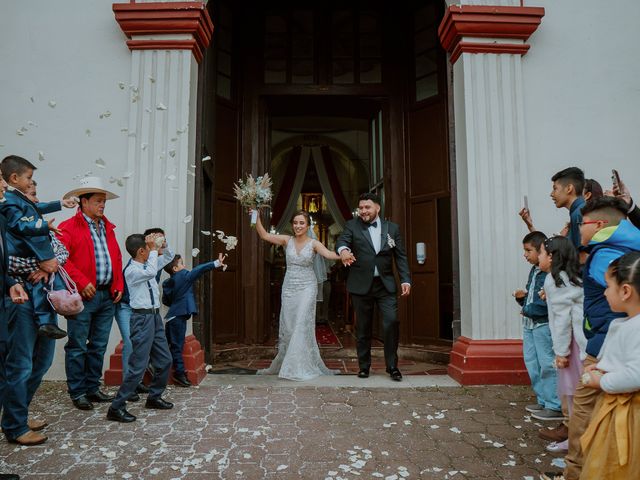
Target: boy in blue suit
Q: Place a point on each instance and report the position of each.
(177, 294)
(28, 234)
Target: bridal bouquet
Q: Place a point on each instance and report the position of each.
(254, 193)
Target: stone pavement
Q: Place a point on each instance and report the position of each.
(249, 427)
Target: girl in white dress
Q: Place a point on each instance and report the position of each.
(298, 355)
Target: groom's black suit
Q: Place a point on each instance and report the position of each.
(367, 289)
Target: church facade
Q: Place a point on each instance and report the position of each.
(454, 112)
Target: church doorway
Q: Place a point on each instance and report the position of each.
(356, 91)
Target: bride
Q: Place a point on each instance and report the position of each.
(298, 355)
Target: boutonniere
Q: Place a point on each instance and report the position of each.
(390, 241)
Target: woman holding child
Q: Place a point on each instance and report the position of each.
(298, 355)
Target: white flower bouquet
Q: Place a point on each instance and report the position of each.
(254, 193)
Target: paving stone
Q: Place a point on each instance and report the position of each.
(223, 430)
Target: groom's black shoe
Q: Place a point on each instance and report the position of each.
(395, 374)
(364, 373)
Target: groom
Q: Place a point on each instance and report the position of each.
(369, 245)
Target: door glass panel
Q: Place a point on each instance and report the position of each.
(426, 63)
(275, 71)
(343, 71)
(302, 71)
(427, 87)
(370, 71)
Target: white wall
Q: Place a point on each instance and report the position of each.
(582, 98)
(72, 52)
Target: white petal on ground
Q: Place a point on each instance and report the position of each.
(154, 471)
(558, 462)
(435, 427)
(455, 430)
(110, 471)
(471, 410)
(101, 163)
(282, 467)
(52, 103)
(161, 106)
(509, 463)
(187, 219)
(498, 445)
(41, 156)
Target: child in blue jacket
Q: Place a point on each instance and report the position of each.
(536, 336)
(177, 294)
(28, 235)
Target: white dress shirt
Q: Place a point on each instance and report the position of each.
(141, 279)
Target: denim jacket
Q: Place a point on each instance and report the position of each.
(533, 306)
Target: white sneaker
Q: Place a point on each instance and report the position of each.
(558, 447)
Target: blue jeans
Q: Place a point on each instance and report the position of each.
(149, 343)
(28, 358)
(88, 337)
(6, 310)
(176, 330)
(538, 358)
(123, 319)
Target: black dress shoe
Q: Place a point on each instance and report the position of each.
(142, 388)
(364, 373)
(51, 331)
(181, 380)
(82, 403)
(133, 397)
(158, 404)
(120, 415)
(395, 374)
(99, 397)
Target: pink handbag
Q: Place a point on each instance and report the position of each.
(66, 302)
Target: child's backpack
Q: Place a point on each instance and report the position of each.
(167, 292)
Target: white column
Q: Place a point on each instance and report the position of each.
(163, 89)
(490, 161)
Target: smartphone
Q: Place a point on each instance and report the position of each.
(615, 178)
(526, 202)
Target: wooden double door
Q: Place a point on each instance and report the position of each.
(373, 61)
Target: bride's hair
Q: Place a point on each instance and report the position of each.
(304, 214)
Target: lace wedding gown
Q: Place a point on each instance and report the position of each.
(298, 355)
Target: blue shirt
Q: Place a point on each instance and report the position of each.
(575, 218)
(104, 271)
(141, 279)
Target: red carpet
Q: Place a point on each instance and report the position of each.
(326, 338)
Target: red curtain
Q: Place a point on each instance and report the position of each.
(282, 199)
(335, 184)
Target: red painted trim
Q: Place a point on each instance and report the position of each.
(488, 362)
(165, 19)
(475, 47)
(516, 23)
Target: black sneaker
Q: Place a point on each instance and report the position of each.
(120, 415)
(181, 380)
(51, 331)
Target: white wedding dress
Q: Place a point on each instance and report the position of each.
(298, 355)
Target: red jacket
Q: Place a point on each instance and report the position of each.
(81, 264)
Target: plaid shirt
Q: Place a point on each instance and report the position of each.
(103, 259)
(20, 267)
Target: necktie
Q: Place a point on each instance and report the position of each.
(374, 224)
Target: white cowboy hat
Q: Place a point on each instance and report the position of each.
(90, 185)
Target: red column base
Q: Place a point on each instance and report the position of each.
(192, 354)
(488, 362)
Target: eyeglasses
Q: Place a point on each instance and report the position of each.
(592, 221)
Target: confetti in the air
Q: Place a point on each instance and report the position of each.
(100, 163)
(52, 103)
(41, 156)
(187, 219)
(195, 252)
(161, 106)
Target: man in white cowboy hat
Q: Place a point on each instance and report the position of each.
(95, 265)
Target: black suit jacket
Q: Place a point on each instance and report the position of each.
(5, 282)
(356, 237)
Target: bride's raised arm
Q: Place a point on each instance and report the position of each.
(270, 237)
(324, 251)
